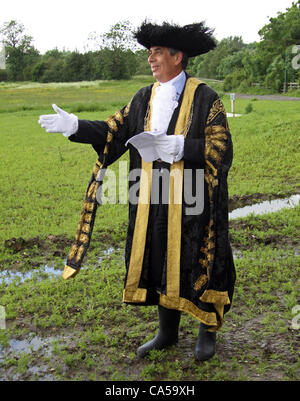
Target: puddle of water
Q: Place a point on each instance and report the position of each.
(8, 277)
(237, 254)
(265, 207)
(33, 343)
(106, 252)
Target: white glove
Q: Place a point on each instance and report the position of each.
(172, 145)
(62, 122)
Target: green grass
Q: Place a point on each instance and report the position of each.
(265, 148)
(95, 336)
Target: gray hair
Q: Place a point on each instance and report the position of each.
(185, 59)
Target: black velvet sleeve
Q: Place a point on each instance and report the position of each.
(91, 132)
(107, 137)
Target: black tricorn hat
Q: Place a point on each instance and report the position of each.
(193, 39)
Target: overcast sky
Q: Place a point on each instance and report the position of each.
(67, 23)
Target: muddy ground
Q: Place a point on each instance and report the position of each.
(37, 353)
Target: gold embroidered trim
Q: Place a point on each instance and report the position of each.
(92, 190)
(83, 238)
(200, 282)
(218, 299)
(73, 251)
(216, 109)
(215, 297)
(184, 305)
(79, 253)
(127, 109)
(208, 247)
(215, 137)
(138, 295)
(140, 229)
(88, 206)
(215, 146)
(69, 272)
(119, 117)
(88, 217)
(84, 227)
(174, 228)
(110, 121)
(141, 221)
(96, 168)
(109, 137)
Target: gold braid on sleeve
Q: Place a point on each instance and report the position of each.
(88, 214)
(215, 146)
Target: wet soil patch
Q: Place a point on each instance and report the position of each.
(20, 244)
(31, 253)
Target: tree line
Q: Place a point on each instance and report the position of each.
(269, 63)
(111, 58)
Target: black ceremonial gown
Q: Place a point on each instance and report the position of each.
(198, 272)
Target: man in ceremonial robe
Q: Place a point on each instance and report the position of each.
(176, 256)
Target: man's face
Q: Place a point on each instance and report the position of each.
(164, 66)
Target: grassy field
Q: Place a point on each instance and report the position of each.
(79, 329)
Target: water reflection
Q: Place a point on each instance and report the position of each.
(265, 207)
(7, 276)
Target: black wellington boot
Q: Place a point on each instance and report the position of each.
(167, 334)
(206, 344)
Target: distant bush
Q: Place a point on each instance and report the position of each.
(248, 108)
(234, 80)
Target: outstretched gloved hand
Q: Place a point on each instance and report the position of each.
(62, 122)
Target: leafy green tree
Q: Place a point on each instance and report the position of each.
(142, 65)
(230, 63)
(282, 31)
(20, 53)
(273, 56)
(116, 51)
(235, 80)
(208, 65)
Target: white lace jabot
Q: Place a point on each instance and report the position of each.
(163, 106)
(165, 102)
